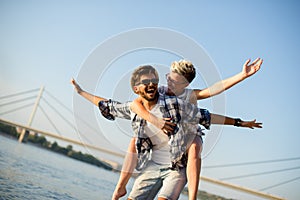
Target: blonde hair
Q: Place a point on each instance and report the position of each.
(141, 70)
(184, 68)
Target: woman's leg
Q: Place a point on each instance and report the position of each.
(194, 167)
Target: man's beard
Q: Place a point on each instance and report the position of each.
(144, 95)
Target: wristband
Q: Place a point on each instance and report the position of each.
(237, 122)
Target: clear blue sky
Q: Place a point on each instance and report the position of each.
(47, 42)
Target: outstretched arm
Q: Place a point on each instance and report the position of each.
(190, 113)
(220, 119)
(248, 70)
(92, 98)
(138, 108)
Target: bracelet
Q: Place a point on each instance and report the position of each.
(237, 122)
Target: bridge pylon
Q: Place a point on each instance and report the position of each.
(36, 104)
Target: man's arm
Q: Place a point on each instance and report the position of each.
(129, 164)
(90, 97)
(109, 109)
(112, 109)
(248, 70)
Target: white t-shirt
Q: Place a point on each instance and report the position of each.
(160, 152)
(186, 95)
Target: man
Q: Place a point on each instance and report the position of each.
(181, 75)
(161, 157)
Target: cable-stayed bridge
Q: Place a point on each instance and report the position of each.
(17, 102)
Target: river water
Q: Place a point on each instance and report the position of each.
(30, 172)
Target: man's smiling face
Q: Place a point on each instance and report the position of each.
(147, 87)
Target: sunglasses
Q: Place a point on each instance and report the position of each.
(148, 81)
(168, 77)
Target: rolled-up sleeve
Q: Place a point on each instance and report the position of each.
(113, 109)
(205, 119)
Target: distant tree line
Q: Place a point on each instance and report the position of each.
(41, 141)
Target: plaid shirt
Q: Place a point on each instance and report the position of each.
(171, 107)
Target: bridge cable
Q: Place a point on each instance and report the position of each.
(58, 101)
(20, 93)
(251, 163)
(57, 112)
(281, 183)
(17, 101)
(51, 122)
(261, 173)
(71, 112)
(18, 108)
(68, 122)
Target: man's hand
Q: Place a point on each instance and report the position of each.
(251, 124)
(251, 68)
(119, 192)
(76, 86)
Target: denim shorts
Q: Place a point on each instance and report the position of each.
(157, 178)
